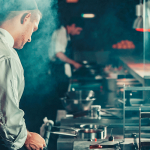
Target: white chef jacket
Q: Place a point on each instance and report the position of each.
(12, 125)
(59, 41)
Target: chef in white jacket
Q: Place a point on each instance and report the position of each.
(18, 20)
(60, 54)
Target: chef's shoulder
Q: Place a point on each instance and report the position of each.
(3, 50)
(61, 32)
(11, 59)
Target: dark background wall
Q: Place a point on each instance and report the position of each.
(113, 23)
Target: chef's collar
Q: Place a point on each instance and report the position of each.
(7, 37)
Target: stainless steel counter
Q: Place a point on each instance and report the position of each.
(136, 67)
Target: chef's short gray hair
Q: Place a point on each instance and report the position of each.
(12, 14)
(34, 13)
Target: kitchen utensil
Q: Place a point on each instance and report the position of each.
(95, 111)
(64, 133)
(75, 130)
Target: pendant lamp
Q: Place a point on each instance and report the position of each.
(138, 23)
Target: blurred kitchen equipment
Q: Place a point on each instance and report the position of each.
(68, 132)
(88, 64)
(109, 84)
(100, 134)
(81, 114)
(88, 69)
(45, 131)
(95, 111)
(88, 132)
(118, 115)
(76, 101)
(91, 134)
(111, 138)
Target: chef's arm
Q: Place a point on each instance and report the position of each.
(64, 58)
(12, 124)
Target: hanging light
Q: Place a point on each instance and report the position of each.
(148, 14)
(140, 21)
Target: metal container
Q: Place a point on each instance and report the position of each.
(76, 101)
(90, 134)
(97, 131)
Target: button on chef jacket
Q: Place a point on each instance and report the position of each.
(13, 130)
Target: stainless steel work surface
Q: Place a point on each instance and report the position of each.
(84, 145)
(126, 145)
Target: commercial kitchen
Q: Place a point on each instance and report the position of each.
(107, 105)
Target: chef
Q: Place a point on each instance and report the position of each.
(60, 54)
(18, 20)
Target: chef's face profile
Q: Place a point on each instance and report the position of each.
(28, 26)
(76, 30)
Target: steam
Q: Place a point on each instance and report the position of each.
(34, 56)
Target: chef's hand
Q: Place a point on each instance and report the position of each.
(34, 141)
(77, 65)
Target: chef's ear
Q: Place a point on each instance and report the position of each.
(25, 17)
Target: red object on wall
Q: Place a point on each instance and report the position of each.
(142, 30)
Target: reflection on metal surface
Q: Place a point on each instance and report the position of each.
(64, 133)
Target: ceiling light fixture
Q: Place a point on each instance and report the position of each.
(72, 1)
(138, 23)
(88, 15)
(141, 23)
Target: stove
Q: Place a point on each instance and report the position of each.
(107, 120)
(86, 122)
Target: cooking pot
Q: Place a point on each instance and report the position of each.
(76, 101)
(99, 130)
(91, 134)
(84, 133)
